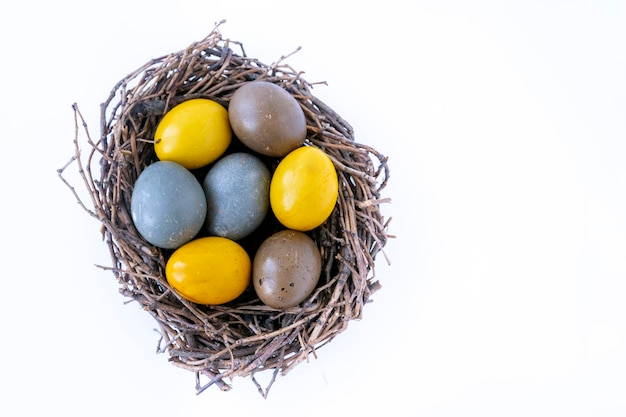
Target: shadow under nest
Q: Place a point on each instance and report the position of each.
(243, 337)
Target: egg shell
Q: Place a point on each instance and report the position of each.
(193, 133)
(237, 195)
(267, 118)
(209, 270)
(168, 206)
(304, 189)
(286, 269)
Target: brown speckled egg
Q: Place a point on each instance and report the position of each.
(266, 118)
(286, 269)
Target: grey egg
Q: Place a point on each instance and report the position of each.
(237, 193)
(168, 206)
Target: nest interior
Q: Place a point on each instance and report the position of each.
(243, 337)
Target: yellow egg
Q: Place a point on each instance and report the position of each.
(194, 133)
(209, 270)
(304, 189)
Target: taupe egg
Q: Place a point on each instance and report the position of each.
(267, 119)
(286, 269)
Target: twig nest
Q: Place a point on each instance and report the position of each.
(245, 335)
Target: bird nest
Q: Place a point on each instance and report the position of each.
(242, 337)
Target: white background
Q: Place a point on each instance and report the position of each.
(504, 124)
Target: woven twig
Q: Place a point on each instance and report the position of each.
(243, 337)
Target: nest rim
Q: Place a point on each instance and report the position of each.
(240, 338)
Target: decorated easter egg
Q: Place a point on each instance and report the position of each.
(168, 206)
(193, 133)
(237, 193)
(304, 189)
(266, 118)
(209, 270)
(286, 268)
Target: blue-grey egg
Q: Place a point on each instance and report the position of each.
(168, 206)
(237, 193)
